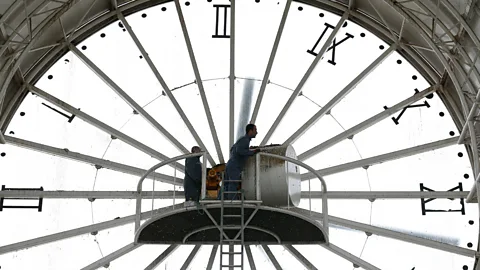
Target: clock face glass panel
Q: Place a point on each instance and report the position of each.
(44, 133)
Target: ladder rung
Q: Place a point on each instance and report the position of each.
(232, 180)
(229, 192)
(226, 265)
(231, 252)
(232, 215)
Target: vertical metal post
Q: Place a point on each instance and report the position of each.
(309, 197)
(288, 189)
(204, 176)
(232, 73)
(174, 187)
(257, 176)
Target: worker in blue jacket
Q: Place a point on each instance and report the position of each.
(239, 153)
(192, 183)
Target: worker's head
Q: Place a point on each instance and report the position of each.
(251, 130)
(196, 149)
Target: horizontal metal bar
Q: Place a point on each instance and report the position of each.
(355, 195)
(129, 195)
(64, 194)
(389, 233)
(65, 153)
(102, 126)
(365, 124)
(383, 158)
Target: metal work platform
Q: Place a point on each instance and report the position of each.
(199, 225)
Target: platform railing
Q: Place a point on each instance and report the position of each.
(303, 165)
(138, 210)
(257, 180)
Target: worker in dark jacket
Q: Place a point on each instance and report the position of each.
(239, 153)
(192, 183)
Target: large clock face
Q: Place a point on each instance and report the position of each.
(346, 89)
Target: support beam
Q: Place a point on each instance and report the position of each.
(305, 262)
(167, 91)
(231, 124)
(147, 195)
(266, 76)
(251, 261)
(112, 256)
(368, 195)
(349, 257)
(272, 257)
(190, 258)
(472, 194)
(64, 194)
(304, 79)
(2, 139)
(114, 4)
(340, 95)
(365, 124)
(83, 230)
(102, 126)
(199, 81)
(121, 93)
(367, 162)
(211, 260)
(389, 233)
(103, 163)
(161, 257)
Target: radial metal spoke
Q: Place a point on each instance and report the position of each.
(82, 230)
(305, 78)
(266, 76)
(370, 195)
(103, 163)
(388, 233)
(337, 98)
(2, 138)
(211, 260)
(104, 127)
(190, 258)
(112, 256)
(365, 124)
(349, 257)
(231, 124)
(120, 92)
(161, 257)
(198, 78)
(367, 162)
(251, 261)
(67, 194)
(305, 262)
(272, 257)
(165, 87)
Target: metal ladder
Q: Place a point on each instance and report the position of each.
(240, 227)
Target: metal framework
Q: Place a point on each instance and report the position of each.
(449, 49)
